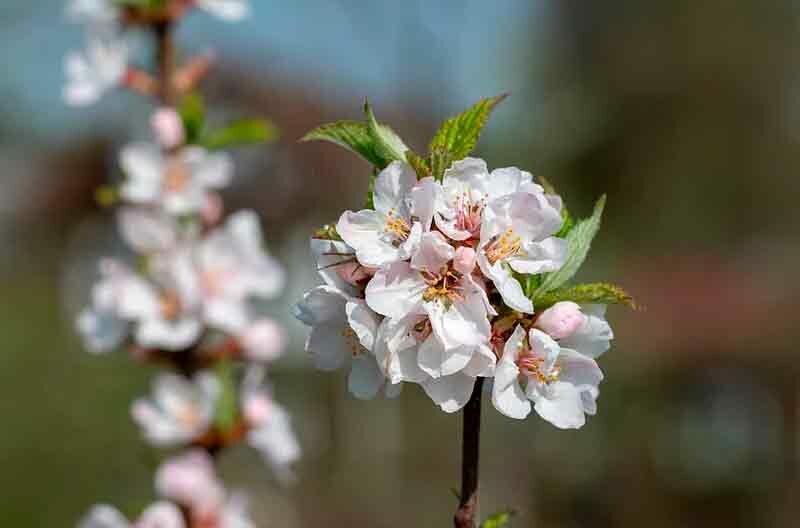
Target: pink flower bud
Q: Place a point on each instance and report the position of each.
(464, 260)
(257, 408)
(561, 320)
(189, 480)
(168, 127)
(264, 340)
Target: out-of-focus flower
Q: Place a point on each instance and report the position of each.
(95, 71)
(179, 410)
(561, 383)
(98, 13)
(270, 430)
(180, 182)
(189, 479)
(168, 128)
(229, 10)
(232, 267)
(158, 515)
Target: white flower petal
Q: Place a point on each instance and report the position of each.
(450, 393)
(395, 291)
(365, 379)
(104, 516)
(363, 321)
(393, 186)
(563, 406)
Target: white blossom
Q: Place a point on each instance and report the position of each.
(228, 10)
(392, 231)
(95, 71)
(180, 183)
(343, 330)
(189, 479)
(270, 430)
(179, 410)
(233, 267)
(517, 236)
(561, 383)
(455, 305)
(158, 515)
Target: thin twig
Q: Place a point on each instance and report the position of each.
(470, 453)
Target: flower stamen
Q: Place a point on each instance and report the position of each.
(503, 246)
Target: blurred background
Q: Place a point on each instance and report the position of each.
(686, 113)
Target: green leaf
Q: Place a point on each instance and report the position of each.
(440, 162)
(226, 412)
(388, 144)
(242, 132)
(594, 293)
(352, 135)
(568, 224)
(499, 520)
(459, 135)
(193, 114)
(579, 240)
(420, 164)
(327, 232)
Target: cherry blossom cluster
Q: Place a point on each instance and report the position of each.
(190, 296)
(112, 38)
(434, 284)
(189, 489)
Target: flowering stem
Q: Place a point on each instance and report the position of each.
(470, 451)
(166, 60)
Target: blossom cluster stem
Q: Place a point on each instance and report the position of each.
(470, 455)
(165, 49)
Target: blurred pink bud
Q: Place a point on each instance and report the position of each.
(189, 480)
(257, 408)
(168, 127)
(561, 320)
(213, 209)
(464, 260)
(264, 340)
(354, 273)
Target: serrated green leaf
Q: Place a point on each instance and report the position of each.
(226, 412)
(579, 240)
(593, 293)
(420, 164)
(352, 135)
(499, 520)
(388, 144)
(440, 162)
(458, 135)
(193, 114)
(242, 132)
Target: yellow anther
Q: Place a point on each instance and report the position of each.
(397, 225)
(170, 305)
(503, 246)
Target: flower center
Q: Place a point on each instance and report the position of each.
(170, 305)
(397, 226)
(176, 177)
(444, 286)
(188, 417)
(532, 367)
(468, 214)
(503, 246)
(352, 342)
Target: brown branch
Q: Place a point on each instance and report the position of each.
(470, 451)
(165, 51)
